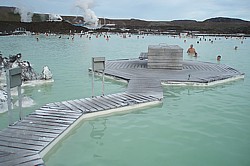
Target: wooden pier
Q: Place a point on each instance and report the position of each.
(192, 73)
(26, 142)
(31, 138)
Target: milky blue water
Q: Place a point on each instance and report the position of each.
(193, 126)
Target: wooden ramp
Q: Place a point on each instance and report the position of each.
(22, 143)
(146, 86)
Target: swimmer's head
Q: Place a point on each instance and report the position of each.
(218, 58)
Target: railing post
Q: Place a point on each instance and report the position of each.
(13, 79)
(98, 64)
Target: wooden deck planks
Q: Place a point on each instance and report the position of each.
(111, 103)
(118, 102)
(35, 129)
(53, 117)
(29, 133)
(49, 121)
(20, 144)
(91, 104)
(24, 141)
(42, 126)
(11, 135)
(56, 114)
(98, 105)
(60, 112)
(42, 122)
(86, 105)
(9, 155)
(127, 98)
(146, 87)
(80, 107)
(118, 99)
(101, 103)
(70, 106)
(200, 72)
(23, 160)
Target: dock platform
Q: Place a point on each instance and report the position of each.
(194, 73)
(26, 142)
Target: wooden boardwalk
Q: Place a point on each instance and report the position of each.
(24, 142)
(27, 141)
(146, 86)
(193, 72)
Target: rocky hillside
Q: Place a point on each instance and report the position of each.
(213, 25)
(41, 27)
(9, 21)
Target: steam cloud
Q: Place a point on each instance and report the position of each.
(25, 14)
(55, 17)
(89, 15)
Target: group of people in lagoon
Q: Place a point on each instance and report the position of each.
(191, 51)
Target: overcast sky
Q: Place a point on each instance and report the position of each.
(142, 9)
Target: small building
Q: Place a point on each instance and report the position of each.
(165, 57)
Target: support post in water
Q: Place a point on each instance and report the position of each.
(98, 65)
(13, 78)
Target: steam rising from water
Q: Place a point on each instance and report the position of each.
(25, 14)
(55, 17)
(89, 15)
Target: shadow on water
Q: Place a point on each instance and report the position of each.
(98, 129)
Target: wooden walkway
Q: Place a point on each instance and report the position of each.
(193, 72)
(146, 86)
(22, 143)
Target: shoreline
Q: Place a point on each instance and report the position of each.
(167, 33)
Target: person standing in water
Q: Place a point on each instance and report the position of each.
(218, 58)
(192, 51)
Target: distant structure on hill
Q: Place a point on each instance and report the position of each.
(218, 25)
(55, 17)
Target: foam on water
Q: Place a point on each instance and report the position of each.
(37, 82)
(3, 101)
(14, 92)
(26, 102)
